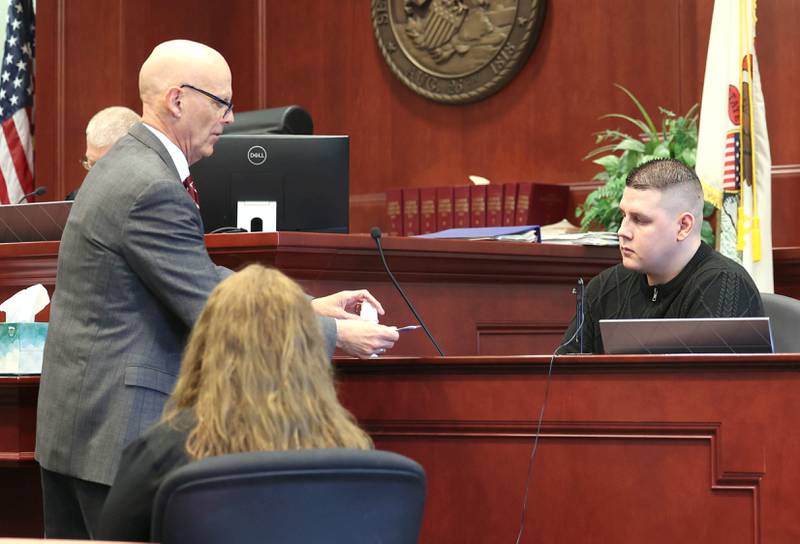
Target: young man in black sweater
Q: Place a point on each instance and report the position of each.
(667, 270)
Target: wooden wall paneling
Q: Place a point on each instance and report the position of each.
(631, 451)
(21, 499)
(586, 487)
(88, 57)
(48, 97)
(232, 28)
(785, 195)
(779, 65)
(786, 264)
(323, 56)
(693, 28)
(78, 72)
(538, 127)
(520, 337)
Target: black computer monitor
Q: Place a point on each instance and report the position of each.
(306, 176)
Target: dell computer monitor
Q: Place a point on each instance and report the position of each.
(305, 176)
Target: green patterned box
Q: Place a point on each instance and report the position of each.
(21, 346)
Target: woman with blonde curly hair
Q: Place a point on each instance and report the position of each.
(254, 377)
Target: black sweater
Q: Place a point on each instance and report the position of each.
(710, 285)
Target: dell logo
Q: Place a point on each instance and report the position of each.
(257, 155)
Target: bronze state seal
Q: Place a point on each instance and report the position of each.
(456, 51)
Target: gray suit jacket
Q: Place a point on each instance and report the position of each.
(133, 275)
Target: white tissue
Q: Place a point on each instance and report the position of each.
(23, 306)
(368, 312)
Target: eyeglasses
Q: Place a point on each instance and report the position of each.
(86, 163)
(215, 98)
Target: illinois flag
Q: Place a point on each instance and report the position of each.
(16, 100)
(733, 158)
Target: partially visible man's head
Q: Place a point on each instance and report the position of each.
(104, 129)
(662, 213)
(186, 93)
(673, 178)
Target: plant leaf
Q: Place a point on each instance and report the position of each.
(599, 150)
(641, 125)
(631, 145)
(609, 162)
(661, 151)
(639, 106)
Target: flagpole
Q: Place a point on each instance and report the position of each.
(740, 221)
(755, 233)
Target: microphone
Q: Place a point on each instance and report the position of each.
(39, 191)
(579, 311)
(376, 235)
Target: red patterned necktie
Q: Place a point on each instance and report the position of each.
(189, 184)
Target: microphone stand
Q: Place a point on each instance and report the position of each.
(376, 235)
(579, 312)
(39, 191)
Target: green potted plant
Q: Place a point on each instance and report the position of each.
(621, 152)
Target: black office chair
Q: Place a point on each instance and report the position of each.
(324, 495)
(784, 318)
(282, 120)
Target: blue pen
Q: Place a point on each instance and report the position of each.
(408, 328)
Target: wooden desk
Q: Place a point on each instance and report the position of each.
(633, 449)
(21, 496)
(478, 298)
(619, 432)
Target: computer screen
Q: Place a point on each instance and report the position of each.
(694, 335)
(305, 176)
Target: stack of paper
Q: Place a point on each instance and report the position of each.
(582, 238)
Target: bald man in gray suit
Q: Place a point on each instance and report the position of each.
(133, 275)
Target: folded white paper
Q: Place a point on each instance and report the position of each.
(23, 306)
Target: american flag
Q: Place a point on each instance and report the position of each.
(730, 179)
(16, 100)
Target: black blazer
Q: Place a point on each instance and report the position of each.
(145, 463)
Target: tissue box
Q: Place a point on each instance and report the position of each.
(21, 347)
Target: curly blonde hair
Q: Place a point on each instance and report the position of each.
(255, 374)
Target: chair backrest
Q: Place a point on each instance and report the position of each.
(324, 495)
(282, 120)
(784, 317)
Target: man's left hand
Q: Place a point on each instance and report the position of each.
(345, 304)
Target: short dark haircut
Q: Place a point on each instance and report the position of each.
(668, 175)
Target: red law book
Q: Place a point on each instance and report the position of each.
(461, 207)
(477, 205)
(427, 210)
(548, 204)
(523, 204)
(494, 205)
(509, 203)
(410, 211)
(444, 208)
(394, 211)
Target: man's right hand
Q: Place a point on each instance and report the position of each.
(362, 339)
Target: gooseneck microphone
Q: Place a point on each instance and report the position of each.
(39, 191)
(580, 299)
(376, 235)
